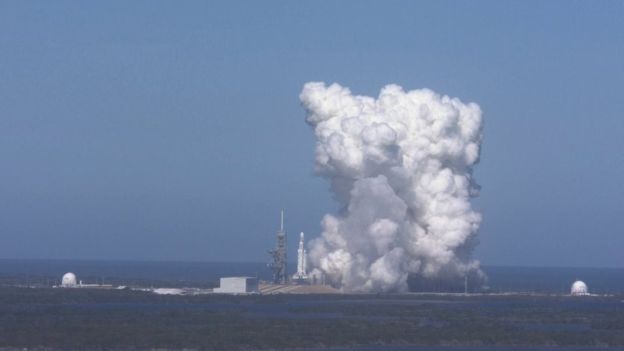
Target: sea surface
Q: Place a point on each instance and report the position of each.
(517, 314)
(459, 348)
(500, 279)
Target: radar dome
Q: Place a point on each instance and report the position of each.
(579, 288)
(69, 279)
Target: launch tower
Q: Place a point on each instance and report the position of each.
(278, 264)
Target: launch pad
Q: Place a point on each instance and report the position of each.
(270, 289)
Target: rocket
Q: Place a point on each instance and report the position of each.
(302, 259)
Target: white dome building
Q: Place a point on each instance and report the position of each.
(579, 288)
(69, 280)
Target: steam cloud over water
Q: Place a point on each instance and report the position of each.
(401, 166)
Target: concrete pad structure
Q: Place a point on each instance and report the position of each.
(270, 289)
(237, 285)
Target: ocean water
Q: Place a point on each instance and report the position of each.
(500, 279)
(459, 348)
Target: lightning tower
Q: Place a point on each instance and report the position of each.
(278, 264)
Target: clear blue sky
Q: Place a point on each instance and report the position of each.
(173, 131)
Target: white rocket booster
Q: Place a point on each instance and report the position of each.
(302, 260)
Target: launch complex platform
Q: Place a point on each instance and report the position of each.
(267, 289)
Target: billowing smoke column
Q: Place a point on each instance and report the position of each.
(401, 166)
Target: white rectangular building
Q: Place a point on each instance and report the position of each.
(237, 285)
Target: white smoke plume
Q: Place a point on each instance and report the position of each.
(401, 167)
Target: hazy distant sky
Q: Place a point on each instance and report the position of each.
(173, 130)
